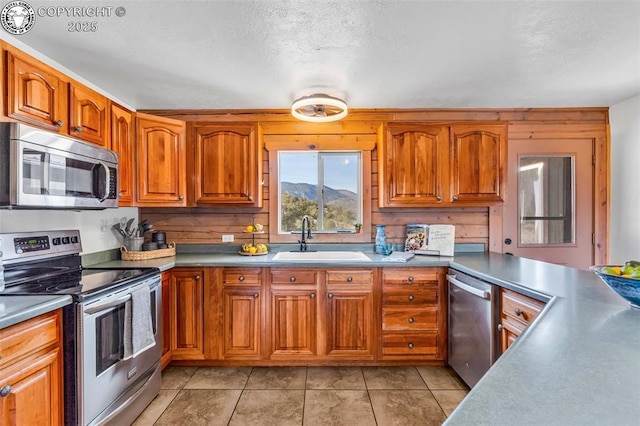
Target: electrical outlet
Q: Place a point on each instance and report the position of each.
(227, 238)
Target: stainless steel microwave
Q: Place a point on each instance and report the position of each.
(40, 169)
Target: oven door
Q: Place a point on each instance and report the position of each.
(48, 177)
(106, 376)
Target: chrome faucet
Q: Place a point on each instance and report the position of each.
(303, 241)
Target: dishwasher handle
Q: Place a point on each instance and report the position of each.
(469, 289)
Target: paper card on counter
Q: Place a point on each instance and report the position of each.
(435, 240)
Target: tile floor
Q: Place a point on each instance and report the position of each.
(305, 396)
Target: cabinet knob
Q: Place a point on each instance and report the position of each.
(439, 198)
(349, 279)
(312, 295)
(78, 129)
(292, 279)
(59, 123)
(410, 279)
(410, 345)
(197, 277)
(500, 327)
(411, 320)
(120, 194)
(455, 198)
(250, 197)
(518, 311)
(180, 197)
(256, 295)
(410, 298)
(241, 278)
(5, 391)
(330, 295)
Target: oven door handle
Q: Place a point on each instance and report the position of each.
(106, 305)
(469, 289)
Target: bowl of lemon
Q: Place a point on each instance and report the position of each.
(623, 279)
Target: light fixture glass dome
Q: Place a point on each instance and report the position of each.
(319, 108)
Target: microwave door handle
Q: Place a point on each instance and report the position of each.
(46, 173)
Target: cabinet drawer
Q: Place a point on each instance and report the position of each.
(233, 276)
(349, 277)
(519, 306)
(408, 277)
(397, 296)
(29, 336)
(410, 319)
(410, 344)
(293, 276)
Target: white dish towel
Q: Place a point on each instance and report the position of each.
(138, 328)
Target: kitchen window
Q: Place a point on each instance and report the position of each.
(328, 178)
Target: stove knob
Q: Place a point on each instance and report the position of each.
(56, 241)
(65, 240)
(74, 240)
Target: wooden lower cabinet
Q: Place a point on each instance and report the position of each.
(31, 382)
(516, 313)
(293, 323)
(166, 320)
(187, 314)
(414, 314)
(241, 299)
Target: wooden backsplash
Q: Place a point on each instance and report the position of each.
(207, 225)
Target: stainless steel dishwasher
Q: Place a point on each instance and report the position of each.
(473, 318)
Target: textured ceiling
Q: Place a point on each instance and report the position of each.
(375, 54)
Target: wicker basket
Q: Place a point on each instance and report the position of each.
(146, 255)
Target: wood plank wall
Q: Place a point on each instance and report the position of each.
(207, 225)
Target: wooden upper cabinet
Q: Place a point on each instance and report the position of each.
(122, 134)
(227, 166)
(478, 159)
(413, 165)
(160, 161)
(34, 93)
(89, 115)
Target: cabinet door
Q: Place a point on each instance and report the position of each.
(293, 323)
(349, 323)
(241, 323)
(35, 94)
(36, 396)
(160, 162)
(187, 314)
(89, 115)
(228, 165)
(478, 157)
(122, 133)
(166, 319)
(412, 166)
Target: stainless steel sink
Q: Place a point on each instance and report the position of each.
(321, 256)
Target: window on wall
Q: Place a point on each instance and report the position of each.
(325, 185)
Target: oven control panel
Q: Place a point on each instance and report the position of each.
(39, 245)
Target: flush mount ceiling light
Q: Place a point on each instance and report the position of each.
(319, 108)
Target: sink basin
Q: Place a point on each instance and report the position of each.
(321, 256)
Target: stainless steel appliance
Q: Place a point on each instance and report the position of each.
(40, 169)
(473, 314)
(102, 383)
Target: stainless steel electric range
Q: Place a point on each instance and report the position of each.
(103, 384)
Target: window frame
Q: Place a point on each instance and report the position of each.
(335, 143)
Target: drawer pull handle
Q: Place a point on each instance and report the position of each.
(256, 295)
(349, 279)
(78, 129)
(292, 279)
(330, 295)
(241, 278)
(411, 279)
(518, 311)
(411, 320)
(59, 123)
(410, 345)
(5, 391)
(411, 298)
(312, 295)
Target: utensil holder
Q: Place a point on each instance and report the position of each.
(133, 243)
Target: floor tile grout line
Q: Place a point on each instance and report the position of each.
(375, 419)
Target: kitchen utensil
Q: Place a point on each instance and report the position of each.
(133, 243)
(128, 229)
(119, 230)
